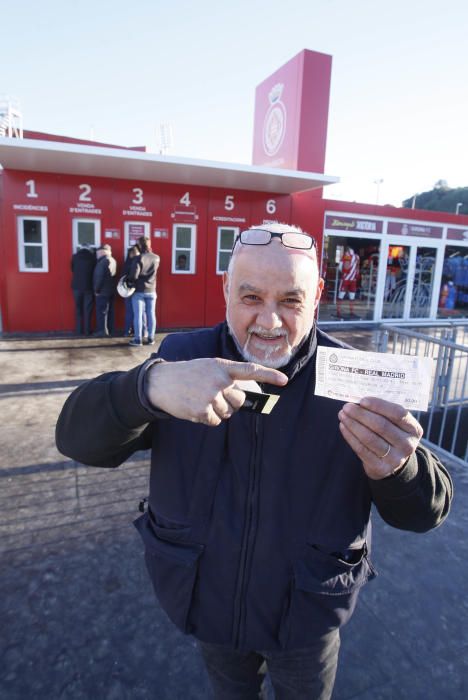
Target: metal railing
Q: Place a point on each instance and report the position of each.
(446, 421)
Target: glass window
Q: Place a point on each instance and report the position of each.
(183, 237)
(33, 257)
(32, 231)
(86, 232)
(226, 238)
(423, 282)
(32, 244)
(183, 248)
(396, 281)
(349, 268)
(134, 230)
(453, 295)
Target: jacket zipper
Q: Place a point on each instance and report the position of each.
(248, 538)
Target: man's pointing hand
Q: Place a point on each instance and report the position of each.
(204, 391)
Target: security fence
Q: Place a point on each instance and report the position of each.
(446, 421)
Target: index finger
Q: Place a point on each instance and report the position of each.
(251, 370)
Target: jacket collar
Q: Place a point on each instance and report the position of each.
(301, 358)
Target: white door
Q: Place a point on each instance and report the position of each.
(406, 282)
(86, 232)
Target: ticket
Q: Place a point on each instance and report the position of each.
(349, 375)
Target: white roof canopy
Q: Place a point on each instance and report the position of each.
(75, 159)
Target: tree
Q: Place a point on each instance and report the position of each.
(441, 198)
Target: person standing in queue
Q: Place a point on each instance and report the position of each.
(132, 253)
(83, 263)
(104, 282)
(257, 534)
(142, 275)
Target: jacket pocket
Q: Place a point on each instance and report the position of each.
(172, 564)
(323, 592)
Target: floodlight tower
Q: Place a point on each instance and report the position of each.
(166, 140)
(11, 119)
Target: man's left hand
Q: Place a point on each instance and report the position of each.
(381, 433)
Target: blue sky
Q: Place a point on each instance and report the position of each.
(116, 70)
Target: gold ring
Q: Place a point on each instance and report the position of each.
(387, 452)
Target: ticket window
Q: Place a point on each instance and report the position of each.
(225, 242)
(133, 230)
(86, 233)
(32, 244)
(184, 248)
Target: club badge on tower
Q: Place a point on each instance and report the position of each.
(274, 126)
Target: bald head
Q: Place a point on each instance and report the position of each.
(274, 228)
(271, 294)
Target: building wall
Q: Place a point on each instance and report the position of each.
(34, 301)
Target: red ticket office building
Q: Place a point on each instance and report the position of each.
(55, 197)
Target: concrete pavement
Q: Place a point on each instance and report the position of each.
(78, 618)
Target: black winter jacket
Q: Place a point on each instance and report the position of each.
(104, 277)
(83, 263)
(257, 534)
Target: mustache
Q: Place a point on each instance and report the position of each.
(276, 333)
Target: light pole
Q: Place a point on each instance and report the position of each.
(457, 209)
(378, 182)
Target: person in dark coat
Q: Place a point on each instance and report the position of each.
(83, 263)
(257, 533)
(132, 253)
(105, 283)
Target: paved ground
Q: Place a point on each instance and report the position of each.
(77, 615)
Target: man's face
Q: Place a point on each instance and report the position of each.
(271, 296)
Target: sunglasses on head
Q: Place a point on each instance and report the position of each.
(290, 239)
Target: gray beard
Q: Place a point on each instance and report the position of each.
(266, 362)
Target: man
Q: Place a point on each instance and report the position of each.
(349, 269)
(82, 266)
(257, 533)
(142, 276)
(181, 262)
(104, 282)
